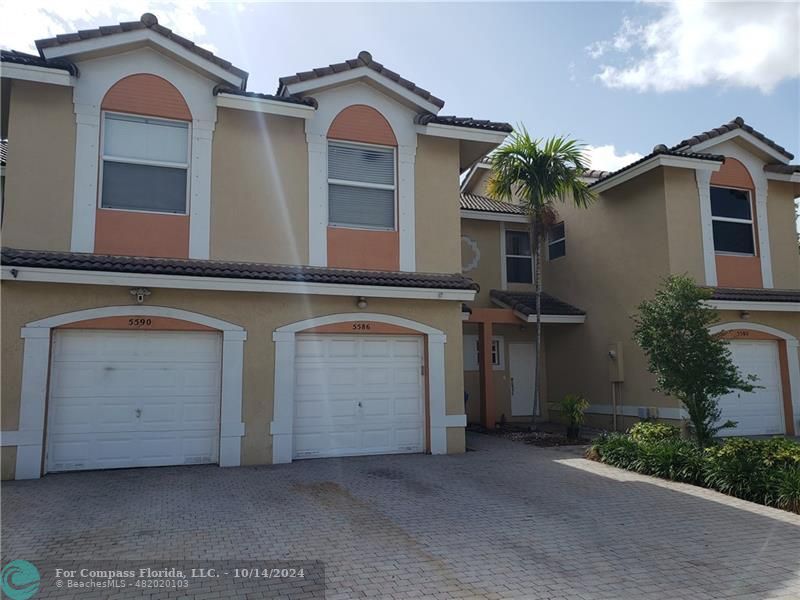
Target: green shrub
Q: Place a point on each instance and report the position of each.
(763, 471)
(649, 431)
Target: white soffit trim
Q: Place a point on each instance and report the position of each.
(465, 183)
(358, 73)
(490, 216)
(754, 306)
(37, 74)
(660, 160)
(33, 274)
(748, 137)
(127, 38)
(264, 105)
(462, 133)
(791, 178)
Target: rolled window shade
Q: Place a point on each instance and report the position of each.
(360, 207)
(361, 164)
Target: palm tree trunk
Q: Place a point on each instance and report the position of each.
(537, 273)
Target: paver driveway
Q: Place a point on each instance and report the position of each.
(506, 520)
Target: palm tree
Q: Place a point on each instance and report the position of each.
(539, 173)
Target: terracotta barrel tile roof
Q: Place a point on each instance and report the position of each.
(21, 58)
(661, 149)
(780, 168)
(364, 59)
(147, 21)
(525, 303)
(755, 295)
(737, 123)
(500, 126)
(484, 204)
(224, 89)
(12, 257)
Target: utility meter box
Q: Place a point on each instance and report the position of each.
(616, 370)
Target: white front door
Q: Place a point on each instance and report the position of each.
(761, 411)
(359, 394)
(521, 364)
(133, 399)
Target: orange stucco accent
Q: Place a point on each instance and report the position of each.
(365, 327)
(363, 249)
(783, 363)
(738, 271)
(493, 315)
(145, 94)
(138, 323)
(362, 123)
(131, 233)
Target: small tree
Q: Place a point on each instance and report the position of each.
(688, 361)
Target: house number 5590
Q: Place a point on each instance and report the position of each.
(139, 322)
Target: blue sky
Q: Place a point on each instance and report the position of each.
(618, 76)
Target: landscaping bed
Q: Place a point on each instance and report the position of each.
(763, 471)
(540, 438)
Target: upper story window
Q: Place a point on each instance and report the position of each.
(361, 186)
(732, 220)
(519, 263)
(556, 241)
(145, 164)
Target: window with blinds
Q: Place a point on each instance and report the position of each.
(145, 164)
(361, 186)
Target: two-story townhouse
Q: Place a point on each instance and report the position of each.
(719, 207)
(496, 253)
(195, 273)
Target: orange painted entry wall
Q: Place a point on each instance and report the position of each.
(363, 248)
(732, 270)
(136, 233)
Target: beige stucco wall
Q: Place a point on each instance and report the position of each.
(259, 188)
(259, 314)
(616, 255)
(436, 205)
(783, 235)
(41, 165)
(684, 231)
(8, 462)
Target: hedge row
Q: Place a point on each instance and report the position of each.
(763, 471)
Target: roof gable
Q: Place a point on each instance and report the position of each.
(361, 68)
(736, 129)
(144, 32)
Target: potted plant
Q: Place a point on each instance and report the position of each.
(572, 407)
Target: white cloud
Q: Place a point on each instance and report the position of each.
(26, 21)
(697, 43)
(605, 158)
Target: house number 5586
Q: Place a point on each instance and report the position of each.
(361, 326)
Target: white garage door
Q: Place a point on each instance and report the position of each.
(358, 395)
(760, 411)
(133, 399)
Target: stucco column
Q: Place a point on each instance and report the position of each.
(282, 424)
(231, 425)
(87, 158)
(406, 155)
(437, 393)
(317, 198)
(33, 395)
(200, 204)
(485, 368)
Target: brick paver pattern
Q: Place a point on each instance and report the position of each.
(505, 520)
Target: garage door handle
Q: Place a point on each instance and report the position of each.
(138, 412)
(512, 385)
(359, 405)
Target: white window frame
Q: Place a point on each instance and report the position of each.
(472, 356)
(505, 256)
(563, 238)
(750, 221)
(154, 163)
(362, 184)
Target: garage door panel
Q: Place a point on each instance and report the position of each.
(758, 412)
(353, 392)
(122, 399)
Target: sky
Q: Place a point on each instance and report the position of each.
(620, 77)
